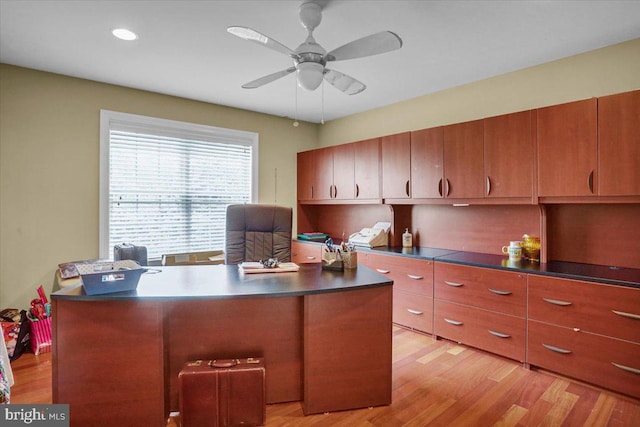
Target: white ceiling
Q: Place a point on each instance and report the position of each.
(184, 50)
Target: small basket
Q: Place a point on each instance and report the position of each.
(332, 261)
(40, 335)
(109, 277)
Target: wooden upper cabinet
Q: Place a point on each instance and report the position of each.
(463, 160)
(323, 188)
(427, 159)
(509, 155)
(306, 175)
(619, 144)
(567, 149)
(396, 166)
(366, 158)
(343, 171)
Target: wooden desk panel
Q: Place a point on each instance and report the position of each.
(231, 328)
(108, 362)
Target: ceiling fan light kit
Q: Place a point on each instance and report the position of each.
(310, 59)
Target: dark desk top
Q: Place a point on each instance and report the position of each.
(226, 281)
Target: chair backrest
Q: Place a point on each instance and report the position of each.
(255, 232)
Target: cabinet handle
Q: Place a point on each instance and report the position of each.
(357, 191)
(629, 315)
(416, 312)
(590, 182)
(379, 270)
(488, 185)
(335, 191)
(440, 187)
(556, 349)
(557, 302)
(453, 322)
(312, 191)
(407, 189)
(447, 187)
(626, 368)
(498, 334)
(499, 292)
(411, 276)
(310, 257)
(454, 284)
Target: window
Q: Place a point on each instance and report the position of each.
(166, 184)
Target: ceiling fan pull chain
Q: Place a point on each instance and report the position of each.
(295, 118)
(322, 113)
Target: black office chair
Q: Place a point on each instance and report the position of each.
(257, 232)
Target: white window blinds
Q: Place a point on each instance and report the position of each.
(169, 188)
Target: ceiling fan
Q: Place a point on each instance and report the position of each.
(309, 59)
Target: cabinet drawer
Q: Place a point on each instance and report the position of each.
(594, 307)
(502, 291)
(604, 361)
(408, 274)
(305, 253)
(413, 310)
(495, 332)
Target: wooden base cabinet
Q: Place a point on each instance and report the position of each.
(608, 362)
(412, 288)
(481, 307)
(488, 330)
(305, 253)
(586, 330)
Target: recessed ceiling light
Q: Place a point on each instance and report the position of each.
(124, 34)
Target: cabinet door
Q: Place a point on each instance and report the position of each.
(427, 163)
(306, 174)
(396, 166)
(323, 188)
(343, 180)
(463, 160)
(619, 144)
(367, 169)
(508, 155)
(567, 149)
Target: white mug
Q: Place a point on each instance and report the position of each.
(514, 250)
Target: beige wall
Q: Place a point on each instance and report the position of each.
(49, 157)
(610, 70)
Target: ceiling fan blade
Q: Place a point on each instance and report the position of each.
(261, 39)
(343, 82)
(377, 43)
(268, 78)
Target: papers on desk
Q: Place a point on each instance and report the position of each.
(256, 267)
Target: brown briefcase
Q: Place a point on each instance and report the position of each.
(218, 393)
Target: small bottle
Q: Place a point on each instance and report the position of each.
(407, 239)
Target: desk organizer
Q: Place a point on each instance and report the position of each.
(109, 277)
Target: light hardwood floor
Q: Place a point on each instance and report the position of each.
(435, 383)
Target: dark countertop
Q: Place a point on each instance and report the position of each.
(226, 281)
(569, 270)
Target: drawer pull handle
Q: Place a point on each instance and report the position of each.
(556, 349)
(557, 302)
(452, 322)
(499, 334)
(416, 312)
(379, 270)
(629, 315)
(457, 285)
(626, 368)
(411, 276)
(499, 292)
(310, 257)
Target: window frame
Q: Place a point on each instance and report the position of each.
(166, 127)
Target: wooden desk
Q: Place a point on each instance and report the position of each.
(325, 337)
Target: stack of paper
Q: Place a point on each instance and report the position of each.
(256, 267)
